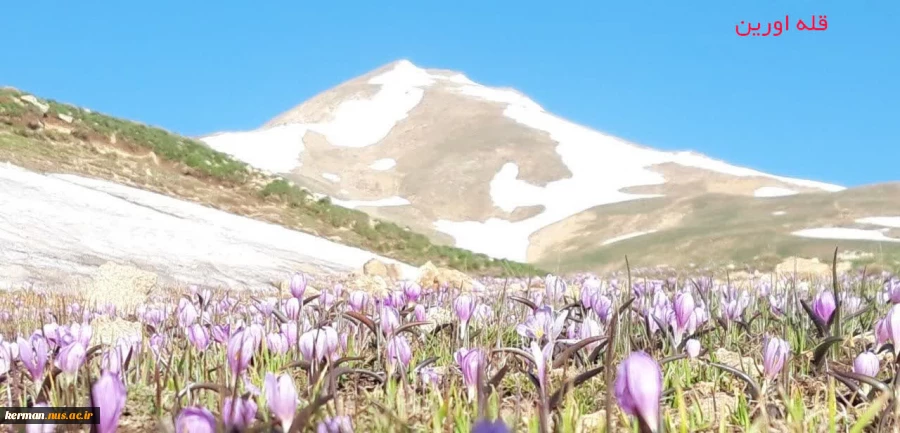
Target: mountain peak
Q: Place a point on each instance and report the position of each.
(487, 167)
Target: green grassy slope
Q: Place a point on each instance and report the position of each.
(71, 139)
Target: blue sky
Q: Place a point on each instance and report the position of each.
(667, 74)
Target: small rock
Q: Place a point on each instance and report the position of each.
(394, 272)
(34, 101)
(374, 285)
(432, 276)
(375, 268)
(109, 330)
(592, 421)
(65, 117)
(715, 404)
(126, 287)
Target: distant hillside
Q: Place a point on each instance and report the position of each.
(47, 136)
(488, 169)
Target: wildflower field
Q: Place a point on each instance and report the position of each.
(631, 351)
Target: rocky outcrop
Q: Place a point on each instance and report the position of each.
(126, 287)
(109, 330)
(431, 276)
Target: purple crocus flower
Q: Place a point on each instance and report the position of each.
(590, 328)
(76, 332)
(195, 420)
(892, 290)
(6, 360)
(326, 298)
(108, 393)
(684, 309)
(823, 306)
(52, 333)
(732, 309)
(40, 428)
(542, 324)
(187, 313)
(290, 331)
(157, 343)
(464, 306)
(542, 358)
(430, 376)
(258, 333)
(298, 285)
(398, 350)
(71, 357)
(12, 347)
(338, 424)
(358, 300)
(555, 287)
(241, 347)
(775, 353)
(485, 426)
(638, 388)
(866, 363)
(240, 415)
(777, 304)
(281, 397)
(319, 344)
(205, 296)
(390, 320)
(33, 353)
(882, 334)
(411, 290)
(589, 293)
(312, 345)
(470, 363)
(277, 343)
(420, 313)
(153, 317)
(292, 308)
(332, 342)
(220, 333)
(892, 323)
(266, 306)
(602, 306)
(692, 347)
(850, 304)
(198, 336)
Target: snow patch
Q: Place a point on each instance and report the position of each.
(275, 149)
(893, 222)
(601, 166)
(384, 202)
(773, 191)
(503, 96)
(356, 123)
(66, 224)
(779, 213)
(845, 234)
(332, 177)
(628, 236)
(383, 164)
(460, 79)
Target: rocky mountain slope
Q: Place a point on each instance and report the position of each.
(489, 170)
(80, 188)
